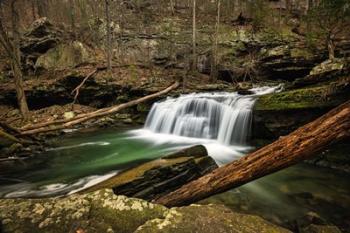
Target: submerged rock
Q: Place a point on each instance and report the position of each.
(159, 177)
(102, 211)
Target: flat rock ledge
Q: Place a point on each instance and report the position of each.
(103, 211)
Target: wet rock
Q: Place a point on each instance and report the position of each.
(64, 56)
(161, 176)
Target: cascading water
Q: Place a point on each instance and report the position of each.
(223, 117)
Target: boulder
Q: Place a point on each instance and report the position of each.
(40, 37)
(64, 56)
(159, 177)
(102, 211)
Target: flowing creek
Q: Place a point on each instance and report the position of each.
(221, 122)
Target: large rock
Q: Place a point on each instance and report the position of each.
(102, 211)
(64, 56)
(159, 177)
(40, 37)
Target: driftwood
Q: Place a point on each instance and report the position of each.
(286, 151)
(67, 123)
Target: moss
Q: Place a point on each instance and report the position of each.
(212, 218)
(313, 97)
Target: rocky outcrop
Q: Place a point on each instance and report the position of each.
(280, 113)
(40, 37)
(159, 177)
(64, 56)
(102, 211)
(288, 62)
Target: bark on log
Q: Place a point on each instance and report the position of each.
(286, 151)
(64, 124)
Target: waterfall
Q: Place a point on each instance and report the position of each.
(224, 117)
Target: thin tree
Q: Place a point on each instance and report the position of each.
(194, 39)
(215, 57)
(108, 31)
(12, 50)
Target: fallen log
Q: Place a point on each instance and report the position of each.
(286, 151)
(64, 124)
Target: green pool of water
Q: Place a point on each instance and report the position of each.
(79, 160)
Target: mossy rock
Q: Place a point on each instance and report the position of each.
(328, 66)
(312, 97)
(101, 211)
(208, 219)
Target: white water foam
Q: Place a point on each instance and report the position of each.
(30, 190)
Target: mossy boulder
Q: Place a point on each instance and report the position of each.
(208, 219)
(311, 97)
(102, 211)
(64, 56)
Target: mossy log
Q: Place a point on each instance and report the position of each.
(299, 145)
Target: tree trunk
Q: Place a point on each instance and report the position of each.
(194, 39)
(299, 145)
(214, 70)
(42, 8)
(72, 18)
(16, 63)
(108, 31)
(330, 47)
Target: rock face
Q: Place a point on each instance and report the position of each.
(40, 37)
(288, 63)
(159, 177)
(64, 56)
(102, 211)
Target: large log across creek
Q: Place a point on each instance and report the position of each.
(301, 144)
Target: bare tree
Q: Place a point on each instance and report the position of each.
(194, 39)
(108, 31)
(215, 57)
(13, 52)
